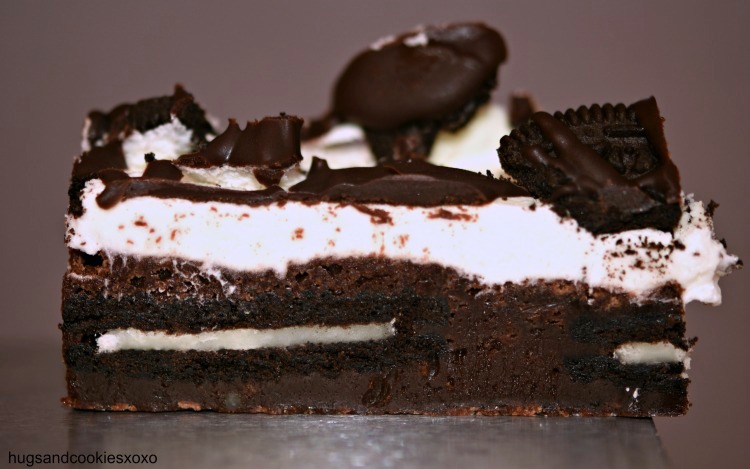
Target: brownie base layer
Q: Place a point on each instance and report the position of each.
(459, 348)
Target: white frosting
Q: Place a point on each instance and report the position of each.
(166, 142)
(649, 353)
(242, 339)
(504, 241)
(474, 147)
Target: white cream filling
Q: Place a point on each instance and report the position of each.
(343, 146)
(236, 177)
(242, 339)
(474, 147)
(649, 353)
(504, 241)
(166, 142)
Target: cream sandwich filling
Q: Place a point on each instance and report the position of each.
(513, 240)
(649, 353)
(242, 339)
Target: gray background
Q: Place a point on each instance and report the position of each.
(250, 59)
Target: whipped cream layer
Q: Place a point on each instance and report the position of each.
(242, 339)
(166, 142)
(510, 240)
(236, 177)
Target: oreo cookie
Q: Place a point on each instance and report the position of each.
(606, 166)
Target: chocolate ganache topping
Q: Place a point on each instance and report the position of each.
(403, 90)
(606, 166)
(147, 114)
(270, 146)
(412, 182)
(398, 183)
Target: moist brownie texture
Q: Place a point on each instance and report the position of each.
(253, 270)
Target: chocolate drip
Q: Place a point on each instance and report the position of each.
(404, 183)
(586, 171)
(405, 91)
(606, 166)
(401, 183)
(147, 114)
(270, 146)
(664, 179)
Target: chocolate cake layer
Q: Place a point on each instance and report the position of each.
(545, 348)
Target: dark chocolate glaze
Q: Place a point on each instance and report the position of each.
(412, 183)
(606, 166)
(664, 179)
(586, 171)
(270, 146)
(407, 90)
(400, 183)
(148, 114)
(121, 188)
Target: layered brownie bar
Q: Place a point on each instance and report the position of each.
(240, 274)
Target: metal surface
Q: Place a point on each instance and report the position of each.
(35, 422)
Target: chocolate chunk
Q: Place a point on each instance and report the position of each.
(273, 143)
(147, 114)
(606, 166)
(402, 92)
(216, 152)
(270, 146)
(162, 169)
(109, 156)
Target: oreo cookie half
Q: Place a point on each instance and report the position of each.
(606, 166)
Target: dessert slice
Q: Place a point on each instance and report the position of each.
(400, 288)
(236, 278)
